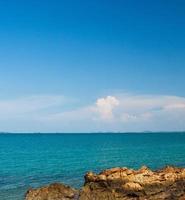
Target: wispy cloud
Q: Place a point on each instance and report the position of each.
(126, 112)
(26, 106)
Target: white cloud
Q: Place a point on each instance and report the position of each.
(105, 106)
(175, 106)
(126, 112)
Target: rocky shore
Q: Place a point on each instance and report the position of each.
(120, 184)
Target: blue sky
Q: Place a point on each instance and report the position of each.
(60, 58)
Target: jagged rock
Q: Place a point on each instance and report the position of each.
(121, 184)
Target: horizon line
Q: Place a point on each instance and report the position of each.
(97, 132)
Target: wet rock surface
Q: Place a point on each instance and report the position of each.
(120, 184)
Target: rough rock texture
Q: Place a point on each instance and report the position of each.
(121, 184)
(54, 191)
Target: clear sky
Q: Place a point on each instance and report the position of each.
(79, 65)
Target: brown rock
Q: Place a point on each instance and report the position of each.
(142, 184)
(54, 191)
(120, 184)
(132, 186)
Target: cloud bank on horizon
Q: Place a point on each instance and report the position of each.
(123, 112)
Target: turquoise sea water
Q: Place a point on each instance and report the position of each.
(37, 159)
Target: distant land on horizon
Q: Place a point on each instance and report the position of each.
(113, 132)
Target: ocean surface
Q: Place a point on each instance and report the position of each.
(32, 160)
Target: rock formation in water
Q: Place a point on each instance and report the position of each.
(120, 184)
(54, 191)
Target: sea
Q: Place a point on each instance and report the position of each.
(33, 160)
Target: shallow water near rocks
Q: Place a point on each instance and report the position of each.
(33, 160)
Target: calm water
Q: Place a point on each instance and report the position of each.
(33, 160)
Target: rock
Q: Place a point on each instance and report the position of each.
(120, 184)
(54, 191)
(132, 186)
